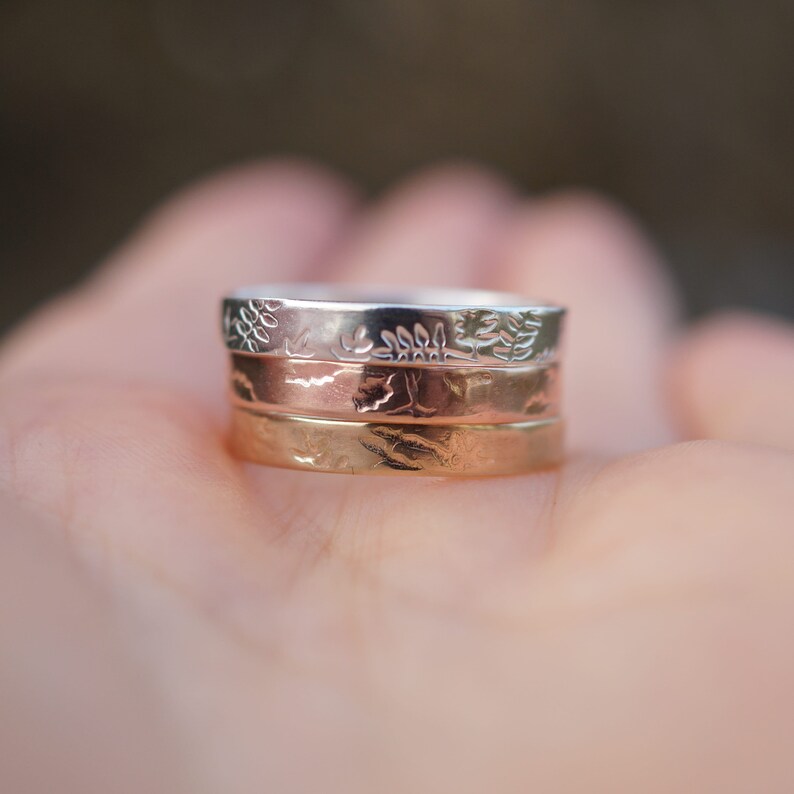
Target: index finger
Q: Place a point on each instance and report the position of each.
(150, 313)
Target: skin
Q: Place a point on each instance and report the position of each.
(623, 624)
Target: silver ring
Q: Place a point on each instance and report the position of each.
(428, 326)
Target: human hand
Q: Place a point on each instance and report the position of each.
(622, 624)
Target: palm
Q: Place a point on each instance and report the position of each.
(598, 628)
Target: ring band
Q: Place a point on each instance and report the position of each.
(458, 327)
(388, 393)
(434, 383)
(386, 448)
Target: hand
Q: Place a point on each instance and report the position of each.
(621, 625)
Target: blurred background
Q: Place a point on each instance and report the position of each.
(682, 110)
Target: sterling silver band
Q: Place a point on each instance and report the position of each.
(427, 327)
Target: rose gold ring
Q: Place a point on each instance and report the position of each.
(387, 393)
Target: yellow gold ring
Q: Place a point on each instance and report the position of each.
(389, 448)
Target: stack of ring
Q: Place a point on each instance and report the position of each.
(435, 382)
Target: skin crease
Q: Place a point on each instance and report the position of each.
(622, 624)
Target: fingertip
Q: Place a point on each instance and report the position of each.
(234, 213)
(714, 352)
(739, 333)
(287, 183)
(732, 377)
(436, 227)
(576, 234)
(452, 182)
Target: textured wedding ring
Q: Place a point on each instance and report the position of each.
(387, 393)
(431, 382)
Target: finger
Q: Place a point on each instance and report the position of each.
(435, 229)
(153, 312)
(733, 379)
(579, 251)
(78, 715)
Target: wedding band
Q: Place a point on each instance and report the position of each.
(460, 327)
(387, 393)
(431, 382)
(385, 448)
